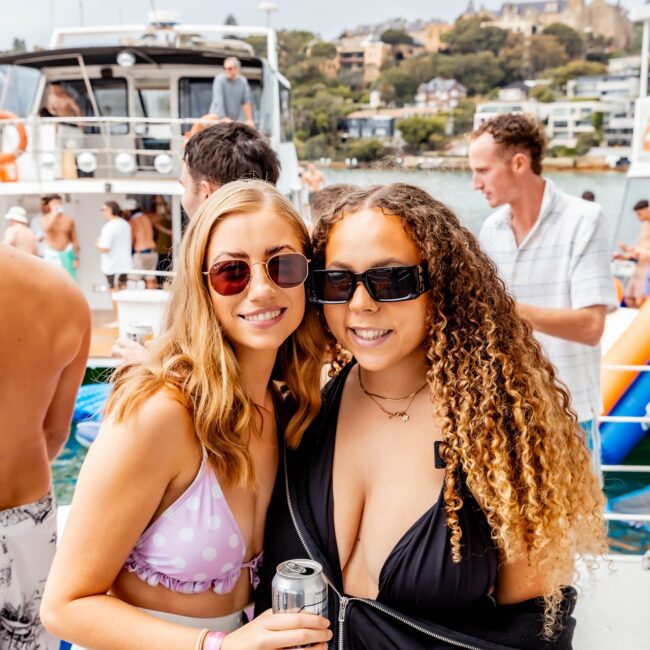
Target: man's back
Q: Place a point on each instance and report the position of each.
(21, 237)
(142, 231)
(44, 343)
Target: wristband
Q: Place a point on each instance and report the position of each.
(213, 640)
(201, 638)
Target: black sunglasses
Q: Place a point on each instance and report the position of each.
(286, 270)
(384, 284)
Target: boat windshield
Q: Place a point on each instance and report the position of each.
(18, 86)
(70, 98)
(195, 97)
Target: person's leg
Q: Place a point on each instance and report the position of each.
(112, 280)
(147, 262)
(27, 546)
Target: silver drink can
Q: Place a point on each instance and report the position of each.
(139, 332)
(299, 586)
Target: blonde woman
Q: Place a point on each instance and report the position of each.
(445, 486)
(165, 532)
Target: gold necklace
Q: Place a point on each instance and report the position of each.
(392, 414)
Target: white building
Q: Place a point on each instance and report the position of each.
(567, 120)
(603, 87)
(486, 110)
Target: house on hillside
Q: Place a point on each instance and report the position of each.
(441, 94)
(379, 123)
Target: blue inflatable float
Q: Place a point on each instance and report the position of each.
(91, 399)
(617, 439)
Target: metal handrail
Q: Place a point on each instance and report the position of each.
(616, 516)
(620, 419)
(624, 367)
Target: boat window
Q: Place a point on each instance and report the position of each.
(69, 98)
(195, 97)
(286, 116)
(153, 102)
(18, 86)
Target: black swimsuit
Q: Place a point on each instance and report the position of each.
(419, 575)
(425, 599)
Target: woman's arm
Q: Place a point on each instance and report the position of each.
(120, 487)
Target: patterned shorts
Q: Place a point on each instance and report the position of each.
(27, 545)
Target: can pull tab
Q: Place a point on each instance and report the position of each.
(296, 568)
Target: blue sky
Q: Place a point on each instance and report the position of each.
(35, 19)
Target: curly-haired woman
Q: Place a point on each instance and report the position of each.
(165, 532)
(446, 486)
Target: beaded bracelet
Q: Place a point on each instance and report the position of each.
(213, 640)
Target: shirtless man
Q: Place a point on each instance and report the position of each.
(60, 245)
(60, 103)
(42, 365)
(145, 254)
(313, 178)
(18, 233)
(635, 290)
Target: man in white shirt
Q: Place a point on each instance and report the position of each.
(553, 252)
(114, 242)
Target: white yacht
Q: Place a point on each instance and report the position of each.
(137, 91)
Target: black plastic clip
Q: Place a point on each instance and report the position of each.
(438, 462)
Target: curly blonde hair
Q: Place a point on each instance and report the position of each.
(194, 359)
(509, 431)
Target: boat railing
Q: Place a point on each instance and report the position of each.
(622, 419)
(106, 148)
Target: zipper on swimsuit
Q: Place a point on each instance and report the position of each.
(344, 600)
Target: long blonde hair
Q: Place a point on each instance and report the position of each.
(193, 358)
(508, 429)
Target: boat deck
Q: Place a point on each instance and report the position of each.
(102, 340)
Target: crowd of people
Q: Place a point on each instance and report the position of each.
(445, 475)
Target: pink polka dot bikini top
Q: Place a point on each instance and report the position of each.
(196, 544)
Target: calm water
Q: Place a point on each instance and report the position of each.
(454, 188)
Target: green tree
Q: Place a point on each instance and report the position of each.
(479, 72)
(396, 37)
(315, 148)
(230, 20)
(597, 120)
(258, 43)
(293, 46)
(421, 68)
(464, 116)
(543, 94)
(545, 51)
(397, 85)
(585, 141)
(468, 36)
(323, 49)
(570, 40)
(366, 150)
(560, 75)
(304, 72)
(513, 57)
(637, 40)
(417, 130)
